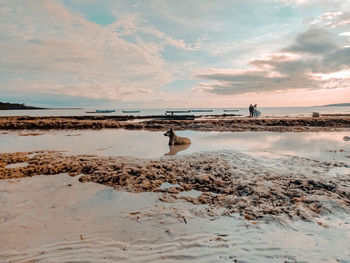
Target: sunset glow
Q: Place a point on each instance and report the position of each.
(163, 54)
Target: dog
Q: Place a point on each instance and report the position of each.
(176, 140)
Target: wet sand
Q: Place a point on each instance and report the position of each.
(288, 188)
(323, 123)
(58, 219)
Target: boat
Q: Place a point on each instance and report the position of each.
(104, 111)
(201, 110)
(176, 117)
(130, 111)
(230, 110)
(101, 111)
(171, 112)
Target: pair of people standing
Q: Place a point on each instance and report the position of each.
(253, 112)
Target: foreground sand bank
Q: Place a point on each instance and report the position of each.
(291, 188)
(57, 218)
(323, 123)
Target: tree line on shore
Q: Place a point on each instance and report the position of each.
(16, 106)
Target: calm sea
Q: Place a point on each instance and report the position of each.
(265, 111)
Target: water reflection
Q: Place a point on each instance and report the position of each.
(174, 149)
(16, 165)
(149, 144)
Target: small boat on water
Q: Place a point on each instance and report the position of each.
(230, 110)
(101, 111)
(104, 111)
(172, 112)
(202, 110)
(130, 111)
(176, 117)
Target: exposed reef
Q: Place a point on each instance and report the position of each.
(219, 123)
(290, 187)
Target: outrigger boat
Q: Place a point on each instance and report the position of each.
(101, 111)
(201, 110)
(176, 117)
(104, 111)
(130, 111)
(170, 115)
(172, 112)
(230, 110)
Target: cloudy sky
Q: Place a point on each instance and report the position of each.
(166, 53)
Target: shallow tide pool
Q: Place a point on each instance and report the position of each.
(147, 144)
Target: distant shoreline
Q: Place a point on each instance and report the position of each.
(22, 106)
(17, 106)
(337, 105)
(43, 109)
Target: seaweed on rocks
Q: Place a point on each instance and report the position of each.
(236, 182)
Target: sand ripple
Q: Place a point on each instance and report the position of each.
(95, 249)
(59, 219)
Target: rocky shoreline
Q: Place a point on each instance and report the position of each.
(219, 123)
(293, 188)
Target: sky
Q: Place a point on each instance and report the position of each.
(165, 53)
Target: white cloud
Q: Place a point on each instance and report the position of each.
(132, 24)
(342, 74)
(313, 61)
(333, 19)
(46, 45)
(325, 4)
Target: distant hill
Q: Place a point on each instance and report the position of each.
(16, 106)
(338, 104)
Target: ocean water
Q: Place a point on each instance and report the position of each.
(265, 111)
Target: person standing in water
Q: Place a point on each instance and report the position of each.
(256, 113)
(251, 110)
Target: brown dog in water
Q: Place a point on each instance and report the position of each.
(176, 140)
